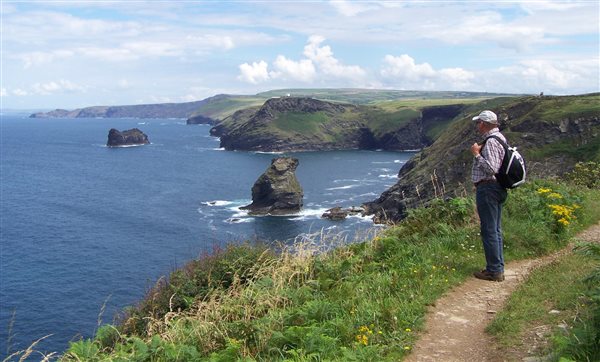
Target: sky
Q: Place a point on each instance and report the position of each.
(72, 54)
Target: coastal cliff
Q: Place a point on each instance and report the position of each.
(307, 124)
(552, 133)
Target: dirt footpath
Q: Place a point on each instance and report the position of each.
(455, 326)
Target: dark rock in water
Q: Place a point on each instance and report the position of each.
(277, 191)
(130, 137)
(337, 213)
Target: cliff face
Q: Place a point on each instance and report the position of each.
(295, 124)
(552, 133)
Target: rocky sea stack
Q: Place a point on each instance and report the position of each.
(277, 191)
(130, 137)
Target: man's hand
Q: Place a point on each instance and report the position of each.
(476, 149)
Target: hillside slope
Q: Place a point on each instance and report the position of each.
(552, 133)
(308, 124)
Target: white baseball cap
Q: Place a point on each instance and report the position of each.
(487, 116)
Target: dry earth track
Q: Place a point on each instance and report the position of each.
(455, 326)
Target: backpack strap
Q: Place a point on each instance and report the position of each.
(504, 145)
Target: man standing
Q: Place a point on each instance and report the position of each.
(489, 194)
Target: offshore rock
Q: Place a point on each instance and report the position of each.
(337, 213)
(277, 191)
(130, 137)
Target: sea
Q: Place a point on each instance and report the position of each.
(86, 230)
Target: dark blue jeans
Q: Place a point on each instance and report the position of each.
(489, 199)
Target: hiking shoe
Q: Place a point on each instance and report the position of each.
(488, 275)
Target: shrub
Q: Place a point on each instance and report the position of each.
(585, 174)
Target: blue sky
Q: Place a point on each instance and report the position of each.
(70, 54)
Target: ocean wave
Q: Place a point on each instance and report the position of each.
(306, 214)
(399, 161)
(217, 203)
(342, 187)
(268, 152)
(388, 176)
(128, 146)
(238, 220)
(347, 180)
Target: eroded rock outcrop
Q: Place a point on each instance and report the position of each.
(130, 137)
(277, 191)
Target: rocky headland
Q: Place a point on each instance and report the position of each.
(164, 110)
(130, 137)
(552, 133)
(277, 191)
(307, 124)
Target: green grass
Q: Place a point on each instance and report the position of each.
(530, 305)
(558, 108)
(301, 122)
(221, 108)
(361, 302)
(395, 105)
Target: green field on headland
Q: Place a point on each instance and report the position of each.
(360, 302)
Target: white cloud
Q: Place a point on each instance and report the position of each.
(490, 28)
(40, 58)
(404, 73)
(254, 73)
(123, 84)
(3, 92)
(303, 70)
(327, 64)
(552, 77)
(20, 92)
(60, 86)
(319, 63)
(212, 41)
(348, 8)
(541, 5)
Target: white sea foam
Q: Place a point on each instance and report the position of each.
(388, 176)
(346, 180)
(127, 146)
(269, 152)
(399, 161)
(341, 187)
(238, 220)
(306, 214)
(217, 203)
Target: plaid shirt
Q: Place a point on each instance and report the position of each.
(487, 164)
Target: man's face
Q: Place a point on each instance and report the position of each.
(480, 127)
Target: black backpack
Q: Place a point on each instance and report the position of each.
(512, 171)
